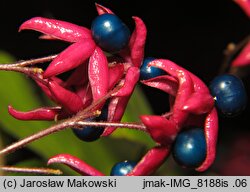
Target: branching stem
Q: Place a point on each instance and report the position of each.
(64, 125)
(230, 52)
(30, 62)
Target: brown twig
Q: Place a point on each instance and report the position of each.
(34, 170)
(136, 126)
(75, 121)
(64, 125)
(33, 72)
(21, 66)
(31, 61)
(25, 70)
(230, 52)
(13, 147)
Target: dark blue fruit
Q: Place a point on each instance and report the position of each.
(110, 33)
(88, 133)
(229, 93)
(149, 72)
(92, 133)
(189, 149)
(122, 168)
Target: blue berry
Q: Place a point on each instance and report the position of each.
(122, 168)
(189, 149)
(110, 33)
(229, 93)
(89, 133)
(149, 72)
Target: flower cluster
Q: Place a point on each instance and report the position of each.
(98, 81)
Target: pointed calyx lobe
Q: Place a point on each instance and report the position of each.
(102, 10)
(98, 74)
(211, 134)
(44, 113)
(75, 55)
(76, 164)
(137, 42)
(151, 161)
(65, 98)
(57, 29)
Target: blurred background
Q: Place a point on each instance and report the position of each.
(194, 34)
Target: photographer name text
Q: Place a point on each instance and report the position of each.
(75, 183)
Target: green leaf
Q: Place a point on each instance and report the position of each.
(138, 105)
(6, 57)
(30, 163)
(16, 89)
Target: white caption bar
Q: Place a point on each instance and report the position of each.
(129, 184)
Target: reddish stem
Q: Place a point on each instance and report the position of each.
(64, 125)
(45, 171)
(31, 61)
(136, 126)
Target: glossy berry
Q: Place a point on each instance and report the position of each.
(229, 93)
(89, 133)
(122, 168)
(110, 33)
(149, 72)
(189, 149)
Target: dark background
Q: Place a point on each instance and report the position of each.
(193, 34)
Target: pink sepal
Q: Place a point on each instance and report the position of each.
(245, 6)
(116, 73)
(117, 107)
(211, 134)
(45, 88)
(75, 55)
(161, 129)
(243, 58)
(199, 103)
(151, 161)
(165, 83)
(76, 164)
(84, 92)
(199, 85)
(137, 42)
(44, 113)
(67, 99)
(184, 91)
(57, 29)
(131, 79)
(78, 77)
(98, 74)
(102, 10)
